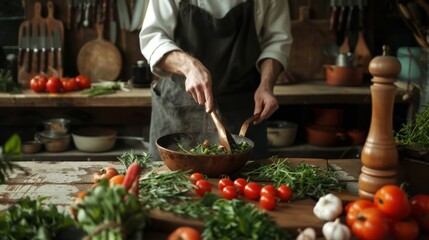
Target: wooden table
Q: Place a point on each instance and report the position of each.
(61, 181)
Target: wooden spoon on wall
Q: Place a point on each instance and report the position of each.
(362, 53)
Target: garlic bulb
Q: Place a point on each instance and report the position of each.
(328, 207)
(336, 231)
(306, 234)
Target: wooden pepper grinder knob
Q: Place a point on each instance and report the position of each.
(379, 154)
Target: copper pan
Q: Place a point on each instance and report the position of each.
(210, 165)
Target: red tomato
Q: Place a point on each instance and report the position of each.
(223, 182)
(268, 190)
(252, 190)
(195, 177)
(53, 85)
(268, 202)
(353, 209)
(284, 193)
(69, 84)
(184, 233)
(392, 201)
(83, 81)
(38, 83)
(229, 192)
(405, 229)
(240, 183)
(370, 224)
(203, 186)
(420, 210)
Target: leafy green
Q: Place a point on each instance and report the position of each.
(235, 219)
(110, 212)
(304, 179)
(33, 219)
(12, 147)
(415, 133)
(102, 89)
(7, 84)
(144, 159)
(206, 148)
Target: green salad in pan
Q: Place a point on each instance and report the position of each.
(207, 148)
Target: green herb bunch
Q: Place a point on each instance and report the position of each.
(11, 147)
(207, 148)
(304, 179)
(7, 84)
(33, 219)
(415, 133)
(235, 219)
(110, 212)
(127, 158)
(166, 191)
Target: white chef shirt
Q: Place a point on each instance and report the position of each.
(272, 22)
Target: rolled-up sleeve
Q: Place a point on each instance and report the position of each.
(156, 36)
(274, 30)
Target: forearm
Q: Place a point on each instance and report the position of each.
(270, 70)
(177, 62)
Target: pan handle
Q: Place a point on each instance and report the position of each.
(246, 124)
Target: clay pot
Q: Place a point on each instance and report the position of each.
(328, 117)
(94, 139)
(281, 133)
(324, 136)
(344, 76)
(356, 136)
(29, 147)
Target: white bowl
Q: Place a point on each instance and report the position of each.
(281, 133)
(94, 139)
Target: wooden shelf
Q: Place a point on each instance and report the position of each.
(309, 92)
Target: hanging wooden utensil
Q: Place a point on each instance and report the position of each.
(99, 59)
(362, 53)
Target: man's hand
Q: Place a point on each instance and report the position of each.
(198, 81)
(265, 101)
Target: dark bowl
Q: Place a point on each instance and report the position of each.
(210, 165)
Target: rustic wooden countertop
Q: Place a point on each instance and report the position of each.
(309, 92)
(61, 181)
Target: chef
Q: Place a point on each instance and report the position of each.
(223, 56)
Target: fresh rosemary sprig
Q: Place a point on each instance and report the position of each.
(415, 133)
(304, 179)
(144, 159)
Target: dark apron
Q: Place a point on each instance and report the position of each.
(229, 48)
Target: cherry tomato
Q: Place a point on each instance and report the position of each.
(195, 177)
(229, 192)
(268, 189)
(353, 209)
(38, 83)
(392, 201)
(370, 224)
(284, 193)
(223, 182)
(184, 233)
(268, 202)
(252, 190)
(239, 183)
(116, 180)
(420, 210)
(83, 81)
(69, 84)
(404, 229)
(203, 186)
(105, 173)
(53, 85)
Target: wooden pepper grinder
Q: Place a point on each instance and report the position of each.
(379, 154)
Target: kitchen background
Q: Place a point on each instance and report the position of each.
(381, 24)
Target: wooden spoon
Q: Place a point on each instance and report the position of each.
(225, 137)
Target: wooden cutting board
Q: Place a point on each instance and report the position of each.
(309, 36)
(291, 216)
